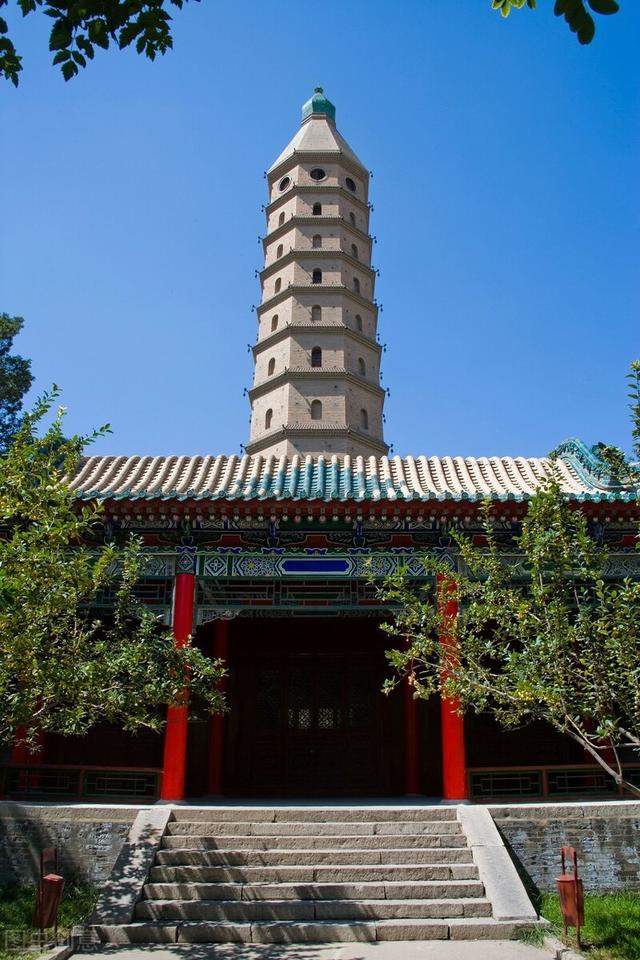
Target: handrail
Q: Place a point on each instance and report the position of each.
(66, 781)
(103, 767)
(545, 782)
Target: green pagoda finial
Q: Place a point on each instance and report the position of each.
(319, 104)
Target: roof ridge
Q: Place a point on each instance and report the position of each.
(330, 476)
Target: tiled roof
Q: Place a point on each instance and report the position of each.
(331, 478)
(318, 135)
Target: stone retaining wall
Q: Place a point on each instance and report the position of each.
(88, 837)
(605, 835)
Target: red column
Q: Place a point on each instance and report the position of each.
(175, 737)
(21, 756)
(216, 722)
(454, 780)
(20, 753)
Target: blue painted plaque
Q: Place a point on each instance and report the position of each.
(316, 565)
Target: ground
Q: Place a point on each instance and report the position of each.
(16, 909)
(612, 928)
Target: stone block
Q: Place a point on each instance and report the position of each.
(463, 871)
(426, 855)
(136, 933)
(445, 890)
(473, 928)
(439, 828)
(237, 814)
(411, 930)
(226, 910)
(292, 828)
(214, 933)
(320, 932)
(314, 891)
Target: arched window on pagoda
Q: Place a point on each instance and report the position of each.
(279, 251)
(274, 322)
(316, 276)
(316, 357)
(281, 219)
(277, 285)
(364, 419)
(268, 417)
(358, 322)
(362, 369)
(316, 242)
(271, 368)
(356, 285)
(354, 251)
(317, 209)
(316, 410)
(316, 314)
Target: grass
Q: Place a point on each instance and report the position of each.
(612, 924)
(16, 909)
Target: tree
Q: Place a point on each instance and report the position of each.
(64, 666)
(15, 379)
(575, 13)
(79, 26)
(560, 644)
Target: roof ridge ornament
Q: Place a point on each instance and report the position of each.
(587, 462)
(319, 105)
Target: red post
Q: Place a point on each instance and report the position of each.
(216, 722)
(21, 756)
(175, 737)
(454, 780)
(20, 753)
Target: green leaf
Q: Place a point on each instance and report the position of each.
(79, 59)
(97, 30)
(84, 45)
(572, 8)
(69, 70)
(586, 31)
(27, 6)
(60, 36)
(606, 7)
(61, 56)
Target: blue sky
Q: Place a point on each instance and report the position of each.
(505, 160)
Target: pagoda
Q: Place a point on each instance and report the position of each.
(316, 386)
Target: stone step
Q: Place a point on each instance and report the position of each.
(249, 910)
(312, 931)
(309, 842)
(272, 858)
(355, 890)
(293, 828)
(313, 814)
(327, 873)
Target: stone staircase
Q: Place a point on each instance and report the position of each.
(307, 874)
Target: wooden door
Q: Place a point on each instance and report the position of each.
(309, 719)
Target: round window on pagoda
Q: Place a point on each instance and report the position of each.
(350, 185)
(317, 173)
(284, 183)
